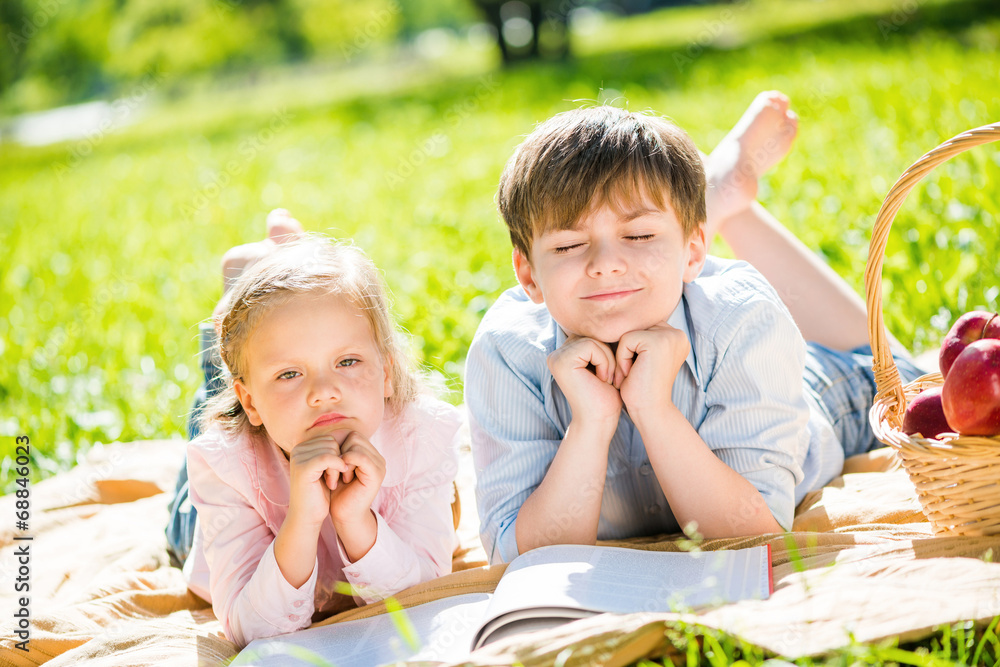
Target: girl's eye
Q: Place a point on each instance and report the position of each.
(348, 362)
(288, 375)
(640, 237)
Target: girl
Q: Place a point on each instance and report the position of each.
(320, 462)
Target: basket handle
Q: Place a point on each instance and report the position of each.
(887, 380)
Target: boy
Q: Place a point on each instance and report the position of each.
(633, 385)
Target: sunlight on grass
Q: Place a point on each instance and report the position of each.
(693, 645)
(729, 26)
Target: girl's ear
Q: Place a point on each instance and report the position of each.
(697, 252)
(388, 389)
(246, 400)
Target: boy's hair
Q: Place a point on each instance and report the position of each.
(312, 265)
(600, 155)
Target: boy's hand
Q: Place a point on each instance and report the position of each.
(315, 468)
(647, 364)
(352, 498)
(585, 371)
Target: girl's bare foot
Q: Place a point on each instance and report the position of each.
(281, 227)
(758, 141)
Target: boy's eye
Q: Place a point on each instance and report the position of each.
(566, 248)
(348, 362)
(288, 375)
(639, 237)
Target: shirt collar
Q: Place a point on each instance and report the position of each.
(678, 320)
(272, 470)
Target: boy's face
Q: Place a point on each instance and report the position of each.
(614, 272)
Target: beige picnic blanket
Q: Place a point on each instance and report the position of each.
(861, 562)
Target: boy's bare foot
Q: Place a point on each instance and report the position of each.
(756, 143)
(281, 227)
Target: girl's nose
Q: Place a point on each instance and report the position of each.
(324, 387)
(605, 259)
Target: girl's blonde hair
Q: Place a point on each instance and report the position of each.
(311, 265)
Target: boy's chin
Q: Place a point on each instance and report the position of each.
(608, 336)
(611, 334)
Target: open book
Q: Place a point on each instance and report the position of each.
(540, 589)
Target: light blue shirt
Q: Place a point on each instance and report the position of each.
(741, 387)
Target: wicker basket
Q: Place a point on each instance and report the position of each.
(957, 477)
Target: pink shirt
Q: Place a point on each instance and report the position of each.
(240, 487)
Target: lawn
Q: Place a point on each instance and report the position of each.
(111, 244)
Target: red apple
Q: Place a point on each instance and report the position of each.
(971, 396)
(925, 415)
(970, 327)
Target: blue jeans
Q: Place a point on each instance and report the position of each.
(181, 524)
(844, 383)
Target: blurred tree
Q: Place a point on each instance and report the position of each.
(54, 49)
(420, 15)
(178, 37)
(60, 51)
(346, 27)
(12, 18)
(530, 29)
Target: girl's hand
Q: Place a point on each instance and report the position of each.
(351, 500)
(316, 467)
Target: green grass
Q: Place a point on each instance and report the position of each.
(111, 246)
(949, 646)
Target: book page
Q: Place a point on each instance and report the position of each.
(519, 622)
(617, 580)
(445, 627)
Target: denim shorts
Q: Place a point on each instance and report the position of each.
(844, 383)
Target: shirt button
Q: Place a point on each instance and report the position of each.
(653, 509)
(298, 603)
(645, 469)
(293, 617)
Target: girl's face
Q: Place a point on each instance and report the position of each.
(313, 369)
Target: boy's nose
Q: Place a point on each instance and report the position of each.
(605, 259)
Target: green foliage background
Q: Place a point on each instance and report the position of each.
(111, 244)
(59, 51)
